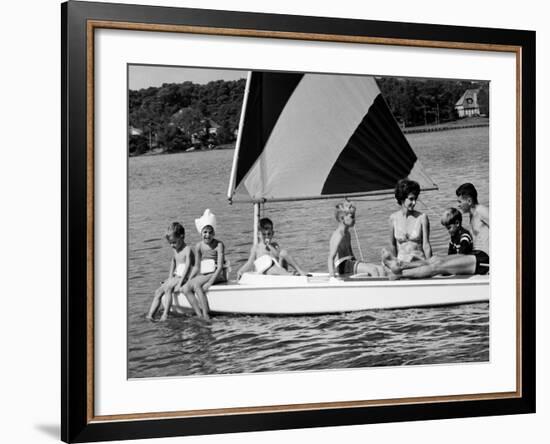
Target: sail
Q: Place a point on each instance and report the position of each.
(304, 136)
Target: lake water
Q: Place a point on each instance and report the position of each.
(178, 187)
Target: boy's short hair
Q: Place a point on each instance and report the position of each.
(342, 208)
(404, 187)
(451, 216)
(467, 190)
(265, 223)
(175, 229)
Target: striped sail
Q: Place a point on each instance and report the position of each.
(306, 136)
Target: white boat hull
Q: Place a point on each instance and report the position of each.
(300, 295)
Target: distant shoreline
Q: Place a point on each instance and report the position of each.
(468, 122)
(159, 151)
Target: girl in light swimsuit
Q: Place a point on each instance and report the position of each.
(409, 229)
(209, 266)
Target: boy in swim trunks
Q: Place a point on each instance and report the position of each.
(341, 260)
(267, 257)
(181, 263)
(479, 224)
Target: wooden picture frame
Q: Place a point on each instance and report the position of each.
(80, 20)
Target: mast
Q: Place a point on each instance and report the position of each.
(232, 178)
(256, 221)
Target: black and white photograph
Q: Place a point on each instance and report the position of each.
(298, 221)
(266, 222)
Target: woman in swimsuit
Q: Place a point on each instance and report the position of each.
(409, 229)
(476, 262)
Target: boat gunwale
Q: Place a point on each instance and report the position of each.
(466, 280)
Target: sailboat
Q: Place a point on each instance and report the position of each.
(323, 136)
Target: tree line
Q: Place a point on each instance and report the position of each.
(416, 102)
(177, 116)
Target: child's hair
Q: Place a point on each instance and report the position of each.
(467, 190)
(405, 187)
(342, 208)
(265, 223)
(175, 229)
(451, 216)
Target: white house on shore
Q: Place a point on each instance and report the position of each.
(467, 105)
(213, 127)
(135, 131)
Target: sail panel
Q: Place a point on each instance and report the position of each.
(267, 97)
(310, 134)
(375, 157)
(326, 135)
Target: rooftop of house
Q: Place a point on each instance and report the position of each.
(468, 98)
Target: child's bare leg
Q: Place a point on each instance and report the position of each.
(188, 292)
(155, 303)
(201, 296)
(286, 257)
(166, 303)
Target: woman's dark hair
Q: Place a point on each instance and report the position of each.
(405, 187)
(467, 190)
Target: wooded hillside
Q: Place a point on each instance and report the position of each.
(175, 117)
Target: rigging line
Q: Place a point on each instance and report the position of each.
(356, 235)
(358, 243)
(428, 207)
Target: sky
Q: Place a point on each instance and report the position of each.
(144, 76)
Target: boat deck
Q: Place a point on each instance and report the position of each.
(259, 281)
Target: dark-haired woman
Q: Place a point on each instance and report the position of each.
(409, 229)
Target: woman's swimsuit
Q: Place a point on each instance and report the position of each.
(402, 236)
(409, 244)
